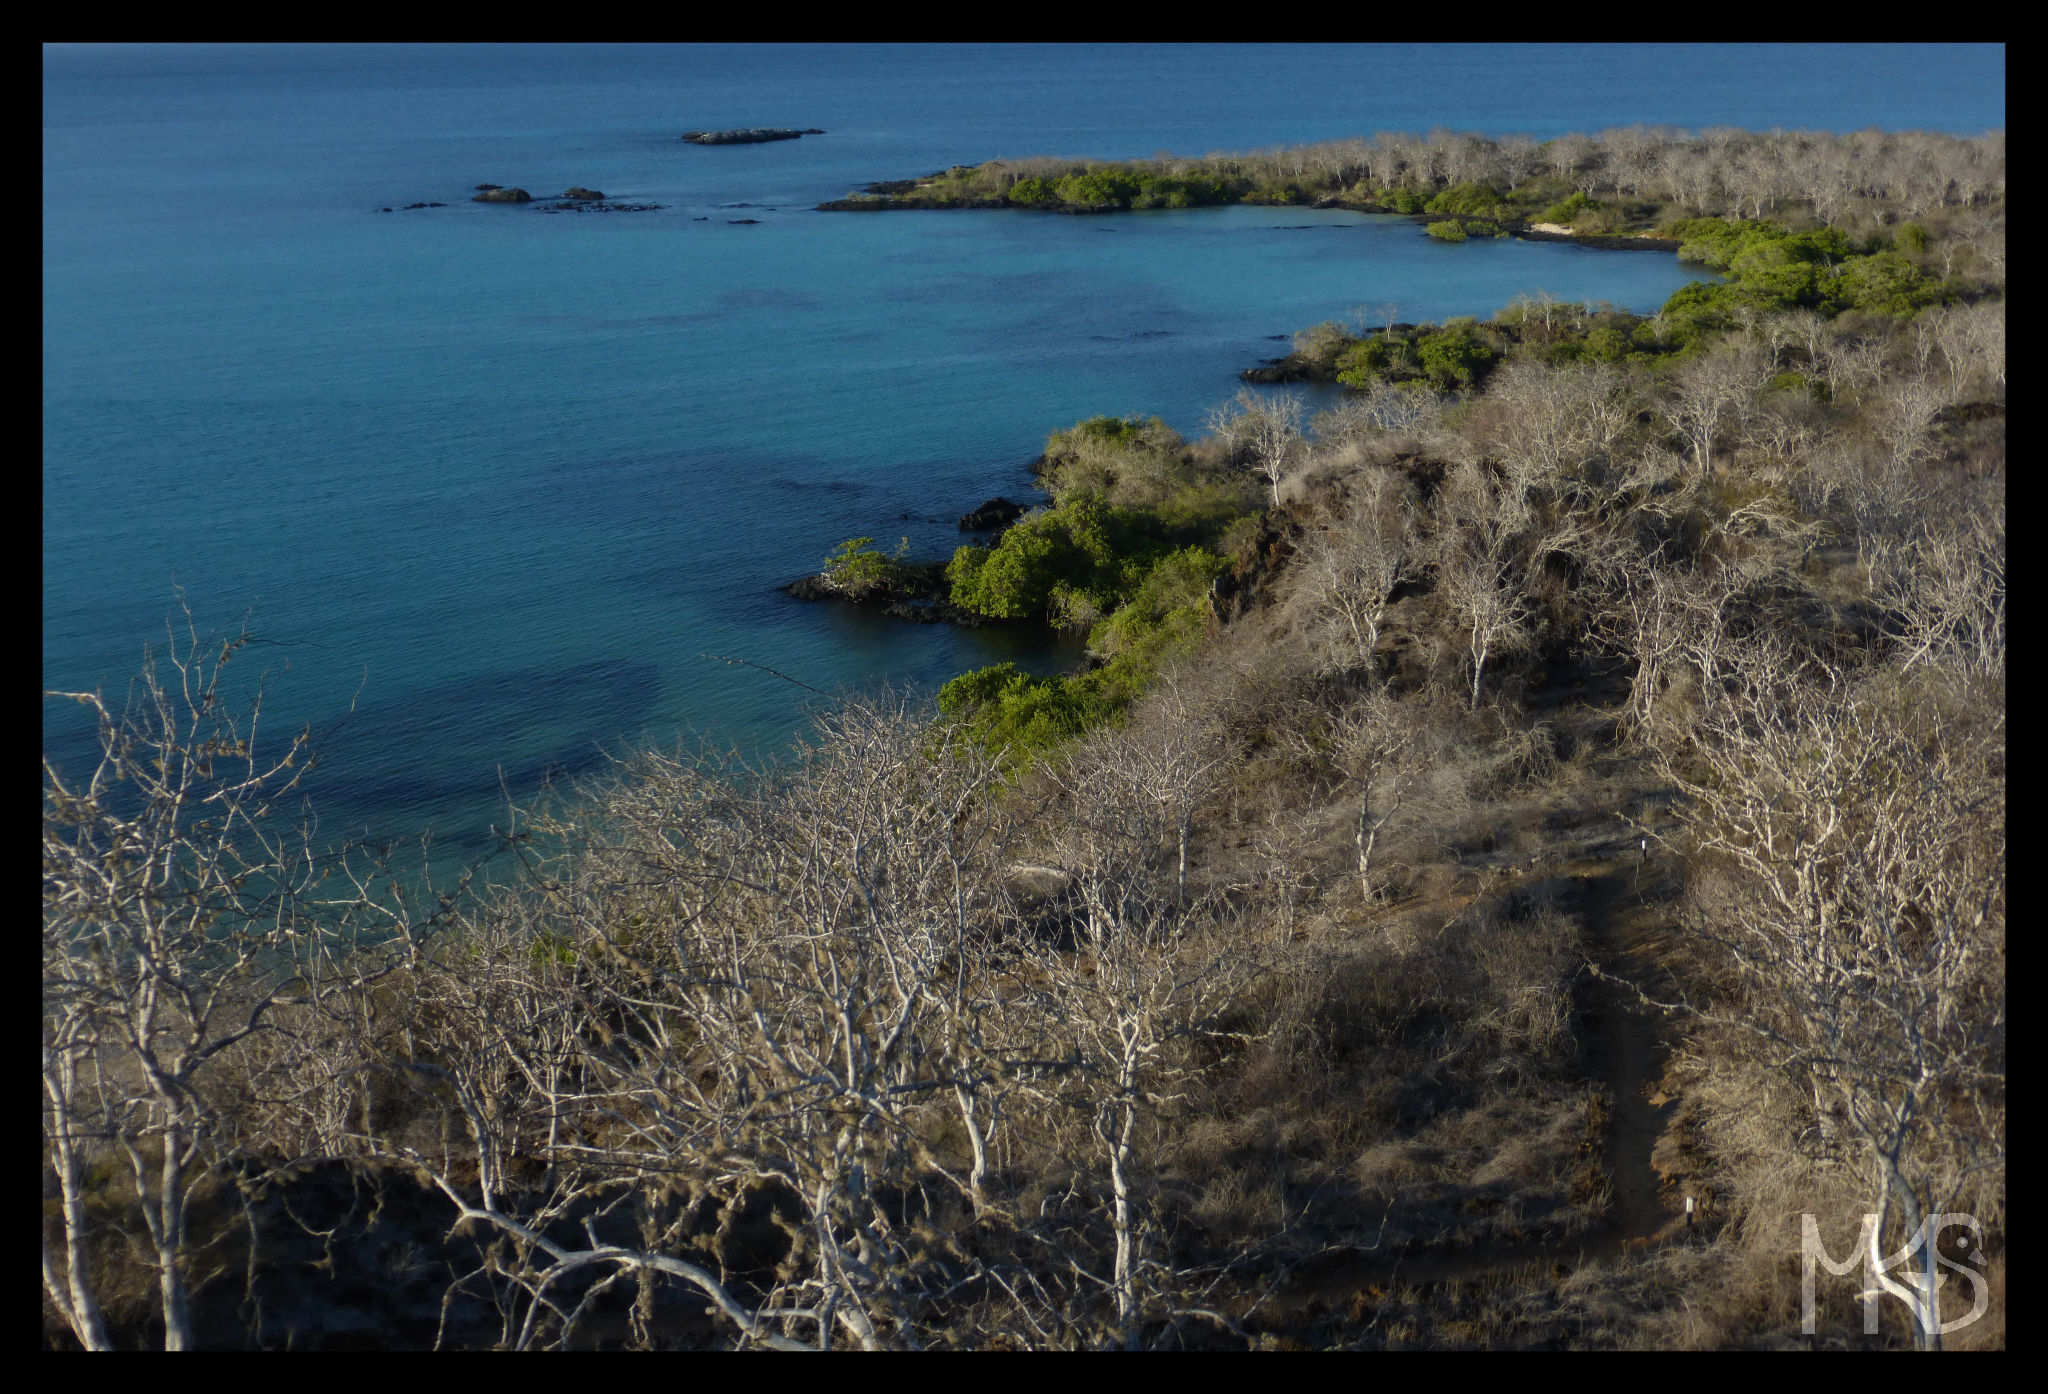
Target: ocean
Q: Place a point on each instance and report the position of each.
(494, 483)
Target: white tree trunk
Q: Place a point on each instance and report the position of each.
(73, 1295)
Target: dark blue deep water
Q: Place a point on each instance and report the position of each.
(502, 478)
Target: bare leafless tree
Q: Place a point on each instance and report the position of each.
(1353, 567)
(1556, 418)
(1482, 526)
(179, 922)
(1144, 984)
(1946, 582)
(775, 982)
(1268, 429)
(1169, 757)
(1857, 824)
(1371, 746)
(1708, 395)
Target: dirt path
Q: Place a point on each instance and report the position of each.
(1625, 1049)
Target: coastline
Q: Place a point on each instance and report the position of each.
(891, 196)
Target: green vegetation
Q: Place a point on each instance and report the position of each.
(1472, 200)
(1139, 529)
(1766, 268)
(857, 571)
(1771, 267)
(1458, 355)
(1162, 621)
(1569, 211)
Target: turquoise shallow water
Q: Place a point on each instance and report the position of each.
(503, 478)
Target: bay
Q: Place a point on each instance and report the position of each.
(501, 479)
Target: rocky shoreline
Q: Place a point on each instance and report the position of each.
(918, 594)
(886, 195)
(1296, 368)
(918, 591)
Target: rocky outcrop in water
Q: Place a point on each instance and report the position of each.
(998, 512)
(503, 196)
(1292, 368)
(917, 591)
(583, 195)
(753, 135)
(581, 207)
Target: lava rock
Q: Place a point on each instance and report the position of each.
(996, 513)
(597, 207)
(1292, 368)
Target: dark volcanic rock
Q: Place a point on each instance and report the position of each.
(753, 135)
(996, 513)
(486, 188)
(503, 196)
(918, 593)
(1292, 368)
(811, 588)
(743, 222)
(1250, 582)
(597, 207)
(582, 195)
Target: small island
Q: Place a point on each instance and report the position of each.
(753, 135)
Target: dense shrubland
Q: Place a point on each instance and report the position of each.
(1158, 1004)
(1138, 527)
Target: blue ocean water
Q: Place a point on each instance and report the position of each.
(501, 479)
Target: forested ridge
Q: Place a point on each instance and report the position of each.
(1522, 840)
